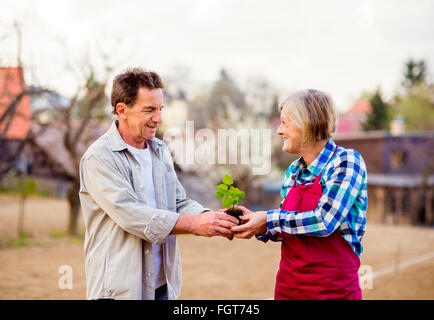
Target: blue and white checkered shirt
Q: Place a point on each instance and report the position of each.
(343, 203)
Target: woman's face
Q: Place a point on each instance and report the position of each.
(292, 135)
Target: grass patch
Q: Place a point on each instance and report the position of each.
(41, 192)
(57, 234)
(76, 240)
(22, 241)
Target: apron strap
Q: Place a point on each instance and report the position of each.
(318, 177)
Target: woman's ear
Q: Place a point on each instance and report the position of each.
(120, 109)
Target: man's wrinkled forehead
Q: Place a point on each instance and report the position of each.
(150, 97)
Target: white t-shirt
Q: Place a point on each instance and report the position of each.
(143, 156)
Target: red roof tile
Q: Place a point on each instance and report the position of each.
(11, 85)
(361, 107)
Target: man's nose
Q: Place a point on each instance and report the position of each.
(156, 117)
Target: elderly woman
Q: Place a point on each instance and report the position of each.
(322, 217)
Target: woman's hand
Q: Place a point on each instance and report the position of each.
(253, 223)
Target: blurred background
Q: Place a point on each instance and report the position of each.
(225, 64)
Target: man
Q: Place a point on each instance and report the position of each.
(133, 203)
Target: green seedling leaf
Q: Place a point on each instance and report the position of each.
(222, 187)
(230, 194)
(219, 194)
(227, 180)
(227, 202)
(236, 191)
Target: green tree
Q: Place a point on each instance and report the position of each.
(415, 73)
(417, 107)
(416, 102)
(379, 118)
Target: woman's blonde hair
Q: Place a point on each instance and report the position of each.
(313, 112)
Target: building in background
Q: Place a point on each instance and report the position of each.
(400, 174)
(15, 120)
(351, 121)
(12, 87)
(400, 168)
(31, 140)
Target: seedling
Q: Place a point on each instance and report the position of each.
(230, 196)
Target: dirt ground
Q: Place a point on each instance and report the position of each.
(213, 268)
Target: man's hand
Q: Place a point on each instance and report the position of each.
(206, 224)
(209, 224)
(253, 223)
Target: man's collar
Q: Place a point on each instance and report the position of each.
(154, 143)
(323, 158)
(118, 143)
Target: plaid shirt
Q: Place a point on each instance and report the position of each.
(343, 203)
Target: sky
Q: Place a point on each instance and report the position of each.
(341, 47)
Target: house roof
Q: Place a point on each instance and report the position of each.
(361, 107)
(11, 85)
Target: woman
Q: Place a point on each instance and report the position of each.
(322, 216)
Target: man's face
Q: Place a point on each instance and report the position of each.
(144, 115)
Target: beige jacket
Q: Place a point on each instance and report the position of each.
(120, 227)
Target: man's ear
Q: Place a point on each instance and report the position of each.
(120, 109)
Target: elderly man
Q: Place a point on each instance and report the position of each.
(133, 203)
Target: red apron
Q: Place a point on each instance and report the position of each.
(312, 267)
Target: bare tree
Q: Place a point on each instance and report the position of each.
(75, 124)
(76, 136)
(226, 106)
